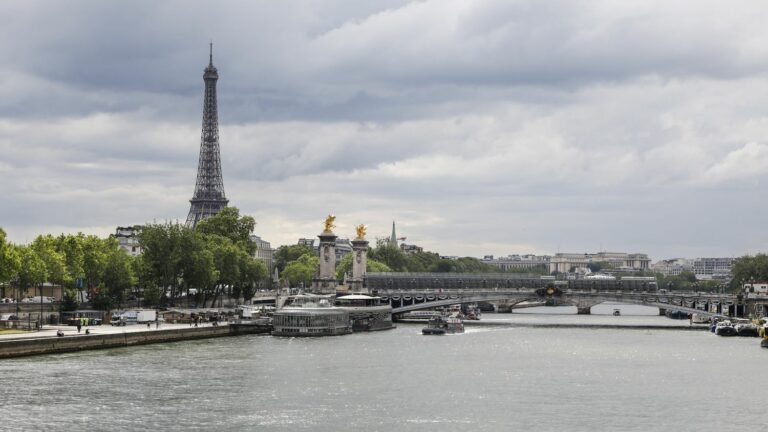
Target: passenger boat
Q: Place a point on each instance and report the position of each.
(310, 315)
(367, 313)
(725, 328)
(443, 325)
(746, 329)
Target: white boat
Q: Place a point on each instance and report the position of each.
(310, 315)
(367, 313)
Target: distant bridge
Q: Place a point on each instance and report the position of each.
(414, 291)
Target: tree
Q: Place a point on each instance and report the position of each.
(32, 270)
(748, 269)
(345, 266)
(55, 262)
(228, 223)
(301, 270)
(117, 280)
(252, 273)
(10, 261)
(286, 254)
(389, 254)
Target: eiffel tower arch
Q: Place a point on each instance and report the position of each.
(209, 198)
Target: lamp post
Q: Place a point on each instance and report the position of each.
(41, 308)
(18, 292)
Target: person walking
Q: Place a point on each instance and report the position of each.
(79, 326)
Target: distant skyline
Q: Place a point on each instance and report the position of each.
(487, 127)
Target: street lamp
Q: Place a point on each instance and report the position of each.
(41, 307)
(18, 293)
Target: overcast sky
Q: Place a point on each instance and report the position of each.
(483, 127)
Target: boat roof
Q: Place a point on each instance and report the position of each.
(356, 297)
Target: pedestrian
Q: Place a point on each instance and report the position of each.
(690, 319)
(157, 323)
(79, 325)
(147, 324)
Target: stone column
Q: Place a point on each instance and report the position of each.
(325, 282)
(359, 264)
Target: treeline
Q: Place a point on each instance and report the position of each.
(75, 262)
(297, 263)
(215, 258)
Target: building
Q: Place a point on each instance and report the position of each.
(209, 197)
(517, 262)
(673, 267)
(264, 252)
(128, 239)
(570, 262)
(310, 242)
(411, 249)
(713, 268)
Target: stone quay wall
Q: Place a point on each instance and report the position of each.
(51, 345)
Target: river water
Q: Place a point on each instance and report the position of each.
(494, 378)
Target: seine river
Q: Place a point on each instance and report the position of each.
(494, 378)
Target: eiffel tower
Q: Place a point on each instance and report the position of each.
(208, 199)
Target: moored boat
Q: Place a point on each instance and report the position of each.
(310, 315)
(725, 328)
(367, 313)
(443, 325)
(746, 328)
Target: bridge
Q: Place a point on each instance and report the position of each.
(415, 291)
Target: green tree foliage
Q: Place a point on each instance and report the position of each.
(32, 270)
(55, 262)
(390, 255)
(599, 266)
(286, 254)
(345, 266)
(228, 223)
(10, 261)
(215, 258)
(302, 270)
(749, 269)
(117, 280)
(397, 260)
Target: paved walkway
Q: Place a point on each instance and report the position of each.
(50, 330)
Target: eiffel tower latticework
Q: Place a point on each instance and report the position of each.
(209, 198)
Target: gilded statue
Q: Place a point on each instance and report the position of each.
(329, 226)
(361, 231)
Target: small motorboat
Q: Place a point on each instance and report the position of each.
(443, 325)
(725, 328)
(747, 329)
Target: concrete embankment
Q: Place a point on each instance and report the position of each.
(51, 345)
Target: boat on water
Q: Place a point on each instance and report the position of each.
(366, 312)
(473, 312)
(310, 315)
(725, 328)
(443, 325)
(746, 328)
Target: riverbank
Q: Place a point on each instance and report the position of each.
(101, 337)
(488, 323)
